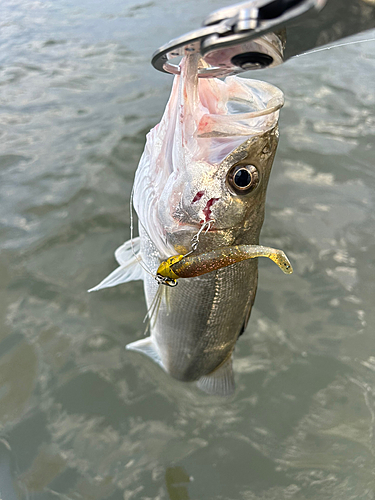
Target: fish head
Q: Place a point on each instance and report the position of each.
(209, 159)
(230, 193)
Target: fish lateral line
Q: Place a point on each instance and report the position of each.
(192, 265)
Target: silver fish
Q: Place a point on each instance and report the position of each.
(206, 163)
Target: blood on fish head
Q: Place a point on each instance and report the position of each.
(231, 193)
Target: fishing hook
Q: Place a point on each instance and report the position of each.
(195, 239)
(167, 265)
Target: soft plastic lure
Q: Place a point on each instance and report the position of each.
(192, 265)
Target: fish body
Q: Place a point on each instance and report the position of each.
(207, 161)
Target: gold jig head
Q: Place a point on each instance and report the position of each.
(165, 269)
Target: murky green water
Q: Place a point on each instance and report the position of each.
(81, 418)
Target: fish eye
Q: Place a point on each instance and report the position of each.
(243, 179)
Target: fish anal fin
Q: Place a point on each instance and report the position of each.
(147, 347)
(220, 382)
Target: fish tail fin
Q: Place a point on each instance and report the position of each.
(147, 347)
(220, 382)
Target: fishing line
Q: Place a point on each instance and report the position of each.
(153, 310)
(334, 46)
(161, 280)
(156, 301)
(139, 260)
(154, 306)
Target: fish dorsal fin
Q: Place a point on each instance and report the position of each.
(220, 382)
(129, 257)
(146, 346)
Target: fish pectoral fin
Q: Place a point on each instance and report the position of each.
(128, 250)
(220, 382)
(129, 257)
(146, 346)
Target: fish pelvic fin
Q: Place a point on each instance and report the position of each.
(220, 382)
(128, 255)
(147, 347)
(152, 313)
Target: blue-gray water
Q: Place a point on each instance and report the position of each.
(80, 417)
